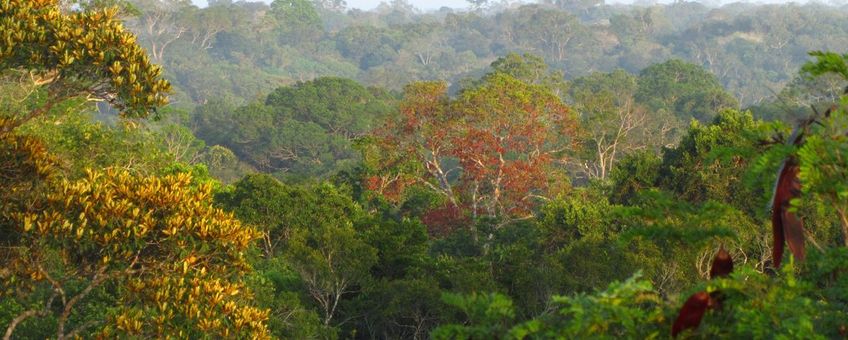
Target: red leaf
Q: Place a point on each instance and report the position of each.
(444, 220)
(722, 264)
(692, 312)
(786, 226)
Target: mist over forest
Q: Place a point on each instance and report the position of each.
(508, 170)
(753, 50)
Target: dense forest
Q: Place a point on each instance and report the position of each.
(298, 169)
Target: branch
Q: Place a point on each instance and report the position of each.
(513, 220)
(73, 334)
(98, 279)
(51, 101)
(25, 315)
(57, 288)
(20, 318)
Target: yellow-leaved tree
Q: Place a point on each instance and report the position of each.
(111, 254)
(77, 54)
(155, 250)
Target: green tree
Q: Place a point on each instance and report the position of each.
(267, 204)
(628, 308)
(79, 142)
(531, 69)
(298, 21)
(332, 261)
(553, 32)
(487, 316)
(340, 106)
(305, 130)
(823, 165)
(614, 124)
(332, 5)
(711, 161)
(684, 89)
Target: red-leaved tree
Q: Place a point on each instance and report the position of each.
(490, 151)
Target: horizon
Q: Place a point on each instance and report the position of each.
(462, 4)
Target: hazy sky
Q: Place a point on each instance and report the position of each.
(436, 4)
(369, 4)
(423, 4)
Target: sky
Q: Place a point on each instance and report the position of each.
(423, 4)
(436, 4)
(370, 4)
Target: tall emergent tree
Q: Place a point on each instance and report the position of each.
(489, 151)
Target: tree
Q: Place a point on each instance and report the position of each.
(312, 230)
(823, 169)
(507, 135)
(711, 161)
(172, 254)
(685, 89)
(629, 308)
(264, 202)
(180, 143)
(488, 316)
(268, 204)
(223, 164)
(794, 101)
(368, 46)
(24, 167)
(302, 130)
(331, 259)
(577, 6)
(531, 69)
(477, 4)
(298, 20)
(500, 139)
(615, 125)
(340, 106)
(413, 146)
(161, 25)
(332, 5)
(551, 31)
(633, 174)
(78, 54)
(78, 142)
(204, 25)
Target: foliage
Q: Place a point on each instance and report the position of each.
(275, 288)
(826, 62)
(172, 255)
(80, 54)
(234, 48)
(629, 308)
(540, 182)
(299, 19)
(490, 316)
(304, 131)
(710, 161)
(613, 123)
(823, 164)
(331, 261)
(81, 143)
(685, 89)
(24, 166)
(500, 137)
